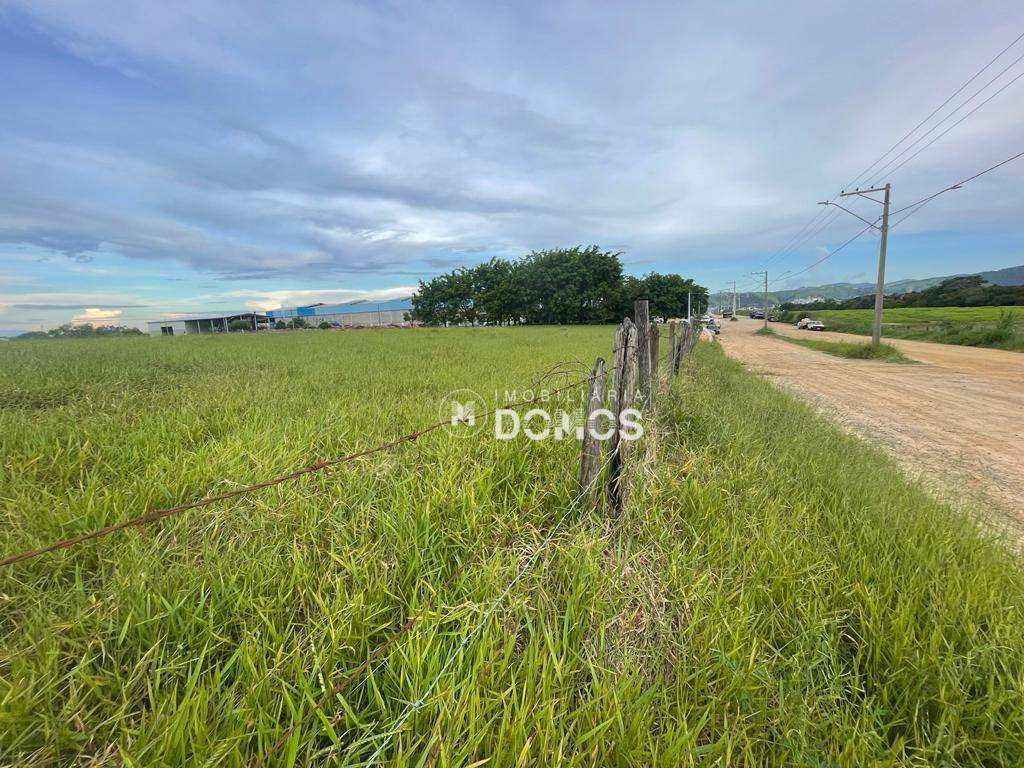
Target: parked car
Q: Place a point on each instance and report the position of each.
(757, 314)
(815, 325)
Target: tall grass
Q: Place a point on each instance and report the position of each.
(848, 349)
(996, 327)
(776, 594)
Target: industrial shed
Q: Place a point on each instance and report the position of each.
(184, 324)
(353, 314)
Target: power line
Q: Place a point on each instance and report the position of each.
(886, 170)
(958, 184)
(954, 125)
(826, 222)
(912, 208)
(828, 255)
(822, 219)
(934, 112)
(793, 239)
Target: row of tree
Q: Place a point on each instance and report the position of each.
(83, 331)
(967, 291)
(561, 286)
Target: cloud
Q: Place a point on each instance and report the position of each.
(369, 140)
(103, 316)
(264, 300)
(74, 306)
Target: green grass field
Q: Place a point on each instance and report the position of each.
(999, 327)
(776, 593)
(848, 349)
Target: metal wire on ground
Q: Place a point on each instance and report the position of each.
(152, 516)
(415, 706)
(354, 675)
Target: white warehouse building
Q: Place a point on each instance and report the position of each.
(353, 314)
(207, 323)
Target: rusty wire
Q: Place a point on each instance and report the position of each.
(151, 516)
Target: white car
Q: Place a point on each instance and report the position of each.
(815, 325)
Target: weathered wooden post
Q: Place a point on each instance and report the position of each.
(669, 361)
(642, 323)
(590, 452)
(653, 339)
(685, 332)
(618, 357)
(624, 383)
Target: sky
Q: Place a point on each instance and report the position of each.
(161, 158)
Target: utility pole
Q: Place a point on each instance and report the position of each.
(688, 307)
(765, 273)
(876, 325)
(733, 300)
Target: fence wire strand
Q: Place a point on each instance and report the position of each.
(152, 516)
(417, 704)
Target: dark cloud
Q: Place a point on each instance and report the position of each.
(357, 139)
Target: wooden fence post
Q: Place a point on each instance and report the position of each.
(642, 323)
(653, 339)
(685, 333)
(624, 380)
(669, 362)
(590, 452)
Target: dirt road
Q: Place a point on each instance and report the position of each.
(955, 420)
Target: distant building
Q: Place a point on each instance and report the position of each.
(207, 323)
(353, 314)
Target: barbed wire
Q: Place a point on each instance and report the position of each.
(354, 675)
(152, 516)
(417, 704)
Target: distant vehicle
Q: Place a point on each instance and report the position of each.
(706, 319)
(772, 319)
(815, 325)
(802, 322)
(712, 328)
(757, 314)
(726, 313)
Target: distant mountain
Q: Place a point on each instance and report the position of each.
(840, 291)
(1008, 276)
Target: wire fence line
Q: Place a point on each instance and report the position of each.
(418, 703)
(354, 675)
(151, 516)
(624, 385)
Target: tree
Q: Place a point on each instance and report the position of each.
(83, 331)
(324, 325)
(240, 325)
(667, 294)
(298, 322)
(280, 325)
(444, 299)
(562, 285)
(571, 285)
(497, 299)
